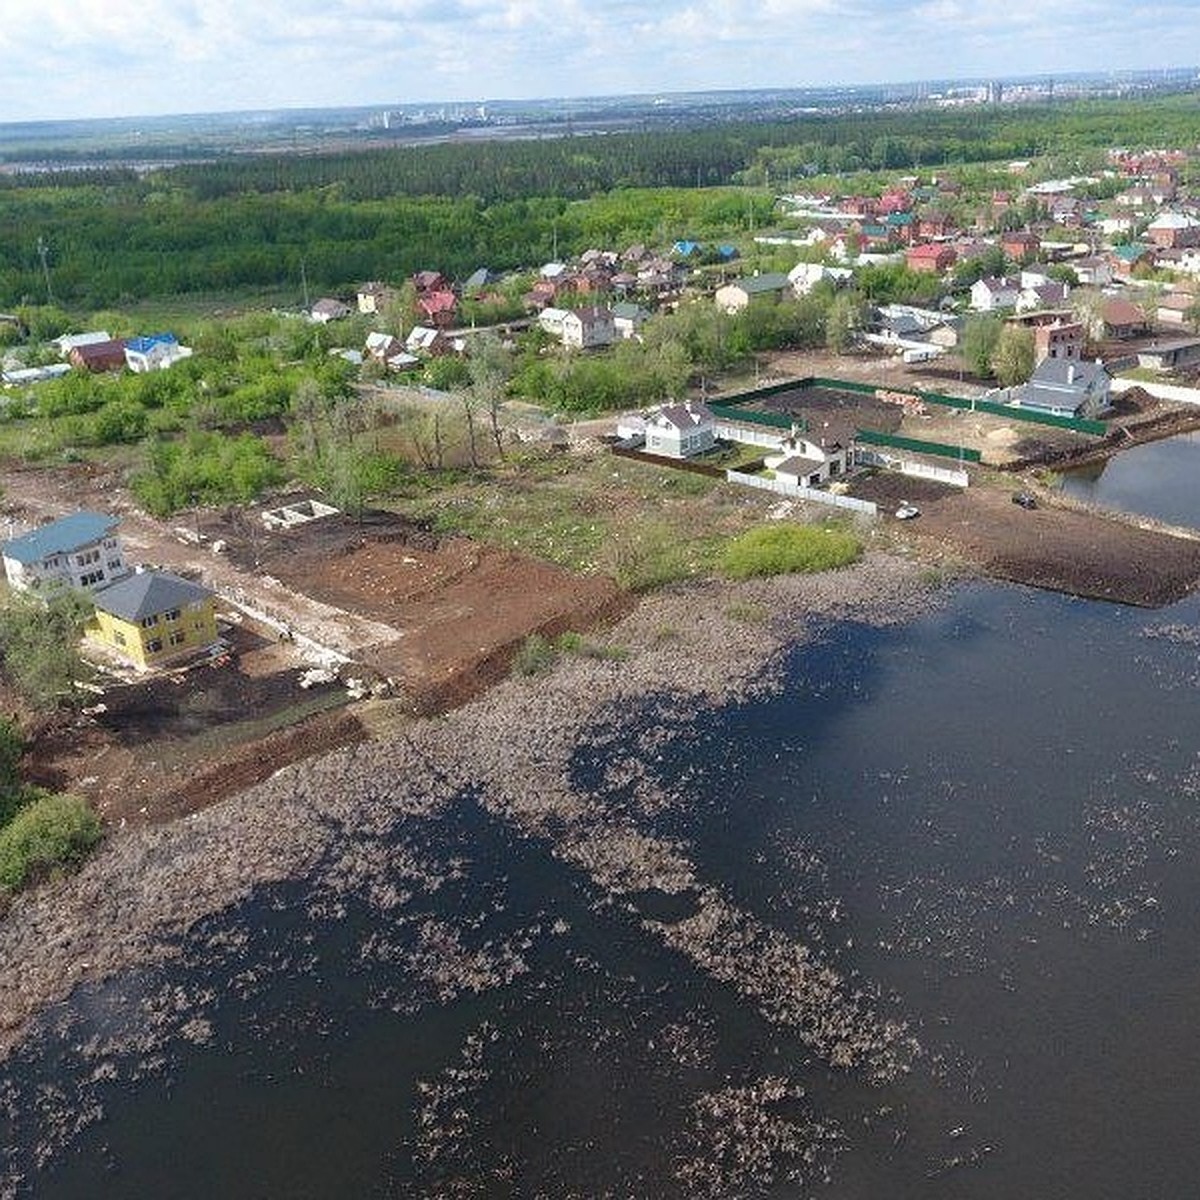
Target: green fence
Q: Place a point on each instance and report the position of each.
(1010, 413)
(726, 412)
(941, 449)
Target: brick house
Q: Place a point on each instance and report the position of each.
(931, 258)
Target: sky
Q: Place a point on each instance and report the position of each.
(104, 58)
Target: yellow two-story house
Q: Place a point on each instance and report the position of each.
(154, 617)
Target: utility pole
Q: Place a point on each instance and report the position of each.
(43, 250)
(304, 285)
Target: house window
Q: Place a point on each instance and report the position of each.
(149, 622)
(177, 638)
(154, 645)
(171, 615)
(118, 637)
(114, 564)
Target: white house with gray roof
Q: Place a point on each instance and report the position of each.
(680, 430)
(805, 463)
(736, 296)
(1064, 387)
(79, 551)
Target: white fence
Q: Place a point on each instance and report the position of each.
(749, 436)
(1160, 391)
(909, 466)
(802, 493)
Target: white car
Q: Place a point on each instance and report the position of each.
(907, 511)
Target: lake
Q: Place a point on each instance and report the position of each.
(1157, 479)
(987, 819)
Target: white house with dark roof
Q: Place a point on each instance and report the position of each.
(736, 296)
(79, 551)
(74, 341)
(328, 309)
(805, 463)
(579, 328)
(1064, 387)
(992, 293)
(680, 430)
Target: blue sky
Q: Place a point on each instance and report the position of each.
(81, 58)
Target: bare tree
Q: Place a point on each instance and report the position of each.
(489, 367)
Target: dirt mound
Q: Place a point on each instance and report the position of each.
(1062, 549)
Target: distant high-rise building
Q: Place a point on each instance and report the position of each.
(995, 92)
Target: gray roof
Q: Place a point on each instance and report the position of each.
(148, 594)
(799, 465)
(754, 285)
(1067, 374)
(685, 416)
(60, 537)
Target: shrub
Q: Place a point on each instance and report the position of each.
(535, 655)
(784, 549)
(51, 831)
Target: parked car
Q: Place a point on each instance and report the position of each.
(906, 512)
(1024, 500)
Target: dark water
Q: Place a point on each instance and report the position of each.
(990, 816)
(1158, 479)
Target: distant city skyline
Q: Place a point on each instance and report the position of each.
(70, 59)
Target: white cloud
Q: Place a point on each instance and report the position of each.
(107, 57)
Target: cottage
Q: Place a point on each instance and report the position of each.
(155, 352)
(1066, 388)
(1175, 308)
(736, 296)
(804, 463)
(988, 295)
(478, 280)
(430, 281)
(1170, 356)
(72, 341)
(581, 328)
(1058, 339)
(1125, 258)
(628, 319)
(805, 276)
(153, 617)
(424, 340)
(931, 258)
(680, 430)
(78, 551)
(375, 297)
(99, 357)
(1021, 245)
(1037, 296)
(1093, 271)
(1173, 230)
(438, 307)
(1121, 318)
(328, 309)
(390, 351)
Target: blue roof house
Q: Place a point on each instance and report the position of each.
(79, 551)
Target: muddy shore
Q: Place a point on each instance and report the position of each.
(327, 819)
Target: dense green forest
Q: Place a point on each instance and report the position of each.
(252, 222)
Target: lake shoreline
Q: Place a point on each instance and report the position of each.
(692, 647)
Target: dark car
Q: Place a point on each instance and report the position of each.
(1024, 500)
